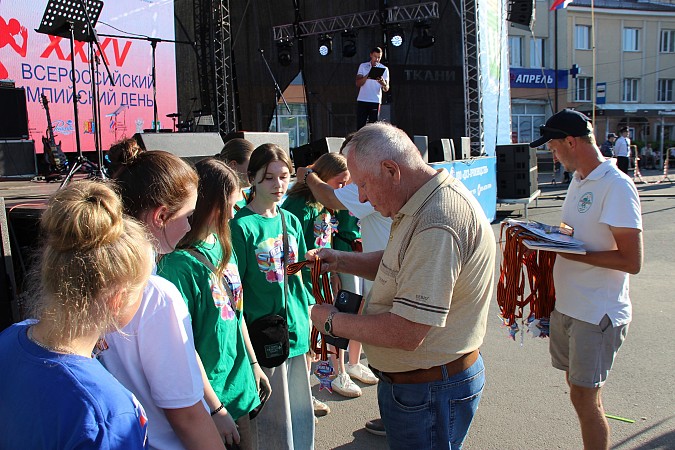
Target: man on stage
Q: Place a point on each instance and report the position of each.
(370, 89)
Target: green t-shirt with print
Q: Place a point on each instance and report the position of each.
(346, 228)
(316, 224)
(216, 323)
(258, 243)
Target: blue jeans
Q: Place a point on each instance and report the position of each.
(434, 415)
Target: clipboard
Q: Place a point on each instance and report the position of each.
(376, 72)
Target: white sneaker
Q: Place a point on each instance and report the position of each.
(344, 386)
(360, 372)
(320, 408)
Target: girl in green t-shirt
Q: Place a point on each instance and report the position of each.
(257, 239)
(205, 272)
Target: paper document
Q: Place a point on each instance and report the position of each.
(550, 238)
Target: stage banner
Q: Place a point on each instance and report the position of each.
(41, 64)
(479, 175)
(494, 67)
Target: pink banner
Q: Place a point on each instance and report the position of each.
(41, 64)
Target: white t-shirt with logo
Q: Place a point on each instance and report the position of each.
(375, 228)
(606, 197)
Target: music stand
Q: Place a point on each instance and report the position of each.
(75, 20)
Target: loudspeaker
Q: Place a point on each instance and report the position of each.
(189, 146)
(516, 171)
(259, 138)
(520, 13)
(516, 157)
(441, 150)
(464, 150)
(422, 144)
(307, 154)
(13, 114)
(17, 159)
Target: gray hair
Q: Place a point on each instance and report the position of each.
(380, 141)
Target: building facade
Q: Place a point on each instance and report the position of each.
(615, 61)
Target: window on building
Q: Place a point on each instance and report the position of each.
(582, 37)
(583, 91)
(664, 91)
(515, 51)
(631, 39)
(667, 41)
(630, 89)
(537, 52)
(525, 122)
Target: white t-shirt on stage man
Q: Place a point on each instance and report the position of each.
(371, 91)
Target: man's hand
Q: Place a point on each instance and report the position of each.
(329, 258)
(320, 313)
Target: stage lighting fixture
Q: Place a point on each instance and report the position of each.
(284, 52)
(424, 38)
(325, 45)
(397, 37)
(348, 44)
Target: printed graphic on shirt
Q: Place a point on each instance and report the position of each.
(221, 300)
(585, 202)
(269, 255)
(323, 229)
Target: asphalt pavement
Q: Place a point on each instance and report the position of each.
(525, 403)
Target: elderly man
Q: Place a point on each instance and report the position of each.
(426, 315)
(593, 309)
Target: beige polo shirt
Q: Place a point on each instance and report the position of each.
(437, 270)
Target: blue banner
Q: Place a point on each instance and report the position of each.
(537, 78)
(480, 177)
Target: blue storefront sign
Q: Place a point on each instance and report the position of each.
(537, 78)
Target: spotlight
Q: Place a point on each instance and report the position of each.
(396, 37)
(325, 45)
(348, 44)
(284, 52)
(424, 38)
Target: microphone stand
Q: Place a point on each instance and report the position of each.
(277, 91)
(153, 44)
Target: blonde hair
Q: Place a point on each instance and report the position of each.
(91, 252)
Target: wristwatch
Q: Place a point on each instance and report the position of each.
(328, 325)
(304, 180)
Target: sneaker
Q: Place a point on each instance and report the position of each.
(344, 386)
(320, 408)
(360, 372)
(376, 426)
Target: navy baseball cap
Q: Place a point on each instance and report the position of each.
(562, 124)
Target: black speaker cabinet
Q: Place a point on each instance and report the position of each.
(520, 13)
(307, 154)
(516, 157)
(189, 146)
(13, 113)
(441, 150)
(260, 138)
(516, 171)
(17, 159)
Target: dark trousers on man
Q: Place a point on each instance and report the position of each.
(622, 163)
(366, 112)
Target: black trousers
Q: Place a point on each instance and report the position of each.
(366, 112)
(622, 163)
